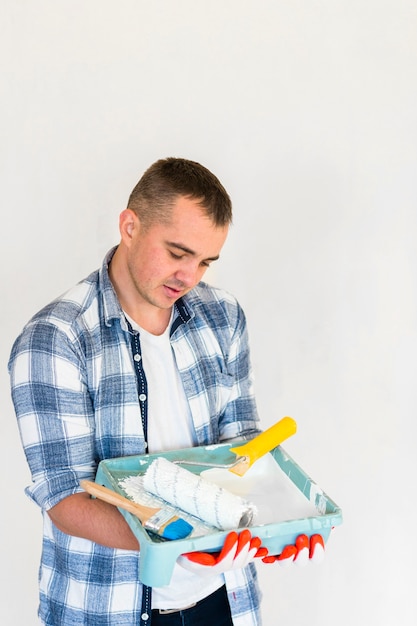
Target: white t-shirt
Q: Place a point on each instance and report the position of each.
(170, 427)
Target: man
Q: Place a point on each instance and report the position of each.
(139, 357)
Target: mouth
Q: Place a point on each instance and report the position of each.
(172, 292)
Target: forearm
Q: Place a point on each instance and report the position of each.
(90, 518)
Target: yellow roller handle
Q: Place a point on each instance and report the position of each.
(265, 442)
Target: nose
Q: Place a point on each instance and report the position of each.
(189, 274)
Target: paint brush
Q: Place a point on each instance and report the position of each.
(254, 449)
(158, 521)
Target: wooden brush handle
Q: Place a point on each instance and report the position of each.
(111, 497)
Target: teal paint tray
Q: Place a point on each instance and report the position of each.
(289, 503)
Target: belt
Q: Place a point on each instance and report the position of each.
(183, 608)
(189, 606)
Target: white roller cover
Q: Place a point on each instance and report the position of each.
(197, 496)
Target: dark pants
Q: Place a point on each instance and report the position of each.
(213, 610)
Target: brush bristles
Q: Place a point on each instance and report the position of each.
(176, 529)
(168, 526)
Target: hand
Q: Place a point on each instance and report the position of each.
(305, 549)
(237, 552)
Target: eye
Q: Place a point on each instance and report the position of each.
(175, 256)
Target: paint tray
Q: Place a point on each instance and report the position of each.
(289, 503)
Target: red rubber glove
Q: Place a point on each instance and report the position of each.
(238, 551)
(305, 550)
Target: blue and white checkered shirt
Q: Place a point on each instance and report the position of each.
(75, 394)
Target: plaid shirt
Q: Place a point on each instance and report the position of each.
(75, 394)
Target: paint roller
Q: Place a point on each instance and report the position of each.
(197, 496)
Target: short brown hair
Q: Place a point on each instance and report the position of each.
(167, 179)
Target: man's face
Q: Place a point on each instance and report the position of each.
(165, 261)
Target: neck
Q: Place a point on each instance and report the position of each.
(151, 325)
(151, 329)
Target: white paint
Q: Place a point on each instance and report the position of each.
(275, 496)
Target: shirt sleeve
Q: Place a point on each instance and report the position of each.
(54, 412)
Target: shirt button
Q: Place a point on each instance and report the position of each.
(145, 616)
(137, 357)
(142, 397)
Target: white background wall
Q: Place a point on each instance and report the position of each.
(306, 110)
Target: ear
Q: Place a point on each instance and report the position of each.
(128, 226)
